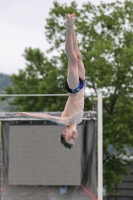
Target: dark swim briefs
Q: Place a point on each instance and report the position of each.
(81, 84)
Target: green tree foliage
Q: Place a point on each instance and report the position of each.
(41, 76)
(4, 81)
(106, 41)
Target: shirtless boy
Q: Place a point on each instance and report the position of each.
(73, 111)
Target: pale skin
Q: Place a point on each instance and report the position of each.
(73, 111)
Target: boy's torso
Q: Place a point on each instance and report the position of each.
(74, 107)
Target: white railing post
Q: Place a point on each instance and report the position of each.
(100, 147)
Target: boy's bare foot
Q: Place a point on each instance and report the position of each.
(70, 20)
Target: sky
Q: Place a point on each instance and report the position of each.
(21, 26)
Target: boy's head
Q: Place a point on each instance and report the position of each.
(68, 137)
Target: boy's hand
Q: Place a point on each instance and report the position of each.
(20, 114)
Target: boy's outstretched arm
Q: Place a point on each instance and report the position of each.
(45, 116)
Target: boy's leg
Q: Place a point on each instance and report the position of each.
(73, 76)
(81, 69)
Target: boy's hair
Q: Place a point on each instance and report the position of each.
(65, 144)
